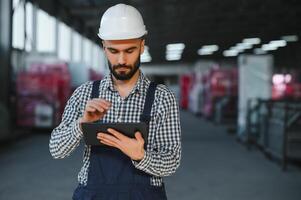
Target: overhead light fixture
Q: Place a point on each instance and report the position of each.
(269, 47)
(175, 47)
(173, 57)
(278, 43)
(252, 41)
(241, 47)
(273, 45)
(230, 53)
(290, 38)
(174, 51)
(208, 49)
(203, 52)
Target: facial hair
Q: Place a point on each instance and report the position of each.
(125, 76)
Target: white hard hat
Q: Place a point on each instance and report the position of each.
(121, 22)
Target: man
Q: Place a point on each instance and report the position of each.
(122, 168)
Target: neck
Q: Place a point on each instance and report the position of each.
(124, 87)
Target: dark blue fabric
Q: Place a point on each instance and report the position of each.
(150, 96)
(95, 89)
(112, 176)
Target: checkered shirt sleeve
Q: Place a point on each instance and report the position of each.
(164, 157)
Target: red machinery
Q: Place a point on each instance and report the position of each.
(185, 85)
(221, 86)
(42, 93)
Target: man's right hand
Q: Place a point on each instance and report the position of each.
(95, 110)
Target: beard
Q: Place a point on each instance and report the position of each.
(124, 75)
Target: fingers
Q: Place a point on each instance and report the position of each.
(108, 138)
(96, 106)
(117, 134)
(139, 137)
(99, 105)
(108, 142)
(106, 104)
(90, 109)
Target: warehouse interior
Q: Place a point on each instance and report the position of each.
(233, 66)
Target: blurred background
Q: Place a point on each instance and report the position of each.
(234, 66)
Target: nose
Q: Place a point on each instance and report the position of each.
(121, 59)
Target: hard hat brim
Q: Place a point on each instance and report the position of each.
(122, 36)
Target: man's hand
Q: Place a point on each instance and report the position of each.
(132, 147)
(95, 110)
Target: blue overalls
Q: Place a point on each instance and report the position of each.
(112, 176)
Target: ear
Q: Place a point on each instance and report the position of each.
(142, 47)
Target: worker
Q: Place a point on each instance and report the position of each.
(123, 168)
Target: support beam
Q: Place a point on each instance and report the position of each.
(5, 49)
(5, 67)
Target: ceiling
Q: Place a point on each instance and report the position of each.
(192, 22)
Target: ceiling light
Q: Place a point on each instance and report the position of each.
(269, 47)
(210, 47)
(173, 56)
(251, 41)
(175, 47)
(229, 53)
(174, 53)
(203, 52)
(278, 43)
(290, 38)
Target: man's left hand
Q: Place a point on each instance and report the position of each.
(132, 147)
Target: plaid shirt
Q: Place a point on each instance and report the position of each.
(163, 152)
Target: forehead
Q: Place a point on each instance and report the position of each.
(120, 44)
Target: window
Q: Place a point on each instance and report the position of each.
(29, 27)
(87, 51)
(77, 47)
(45, 32)
(99, 60)
(18, 24)
(64, 44)
(95, 57)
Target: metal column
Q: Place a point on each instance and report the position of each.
(5, 48)
(5, 64)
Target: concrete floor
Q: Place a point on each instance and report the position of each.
(214, 167)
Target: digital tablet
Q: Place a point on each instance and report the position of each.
(90, 130)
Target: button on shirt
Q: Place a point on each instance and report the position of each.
(163, 151)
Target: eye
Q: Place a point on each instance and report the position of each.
(113, 51)
(130, 51)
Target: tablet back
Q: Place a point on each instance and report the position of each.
(91, 130)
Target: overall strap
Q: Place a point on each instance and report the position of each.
(95, 89)
(150, 96)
